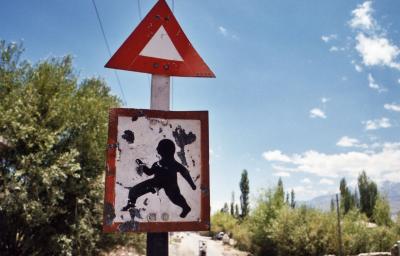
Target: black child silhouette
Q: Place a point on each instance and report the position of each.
(165, 176)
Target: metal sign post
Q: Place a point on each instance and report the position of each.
(157, 243)
(143, 193)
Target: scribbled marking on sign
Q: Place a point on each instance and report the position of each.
(182, 139)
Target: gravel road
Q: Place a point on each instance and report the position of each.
(187, 244)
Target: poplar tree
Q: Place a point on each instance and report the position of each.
(244, 197)
(292, 199)
(346, 198)
(368, 194)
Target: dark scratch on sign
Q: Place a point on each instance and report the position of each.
(194, 163)
(109, 214)
(197, 177)
(160, 130)
(182, 139)
(146, 201)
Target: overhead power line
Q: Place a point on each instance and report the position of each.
(109, 50)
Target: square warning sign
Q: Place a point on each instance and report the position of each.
(157, 177)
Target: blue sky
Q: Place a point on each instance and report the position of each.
(306, 90)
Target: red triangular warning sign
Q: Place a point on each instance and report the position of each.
(159, 46)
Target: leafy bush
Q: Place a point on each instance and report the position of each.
(51, 177)
(274, 228)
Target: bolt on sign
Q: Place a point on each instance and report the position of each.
(157, 177)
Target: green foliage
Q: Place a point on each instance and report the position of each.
(360, 236)
(292, 199)
(396, 225)
(232, 206)
(274, 228)
(51, 178)
(222, 221)
(237, 215)
(368, 194)
(346, 198)
(279, 195)
(244, 197)
(303, 232)
(381, 213)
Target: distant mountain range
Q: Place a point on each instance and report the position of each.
(390, 189)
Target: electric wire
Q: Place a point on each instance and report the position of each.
(139, 10)
(109, 50)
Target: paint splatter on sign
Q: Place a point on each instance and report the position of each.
(182, 139)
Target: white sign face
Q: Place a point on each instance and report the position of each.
(158, 165)
(157, 175)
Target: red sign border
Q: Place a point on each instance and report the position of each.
(109, 196)
(127, 56)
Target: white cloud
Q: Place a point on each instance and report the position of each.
(334, 49)
(358, 68)
(373, 85)
(317, 113)
(377, 124)
(362, 17)
(275, 155)
(306, 181)
(377, 51)
(350, 142)
(328, 38)
(224, 31)
(282, 174)
(381, 164)
(326, 181)
(307, 192)
(325, 100)
(398, 81)
(372, 43)
(393, 107)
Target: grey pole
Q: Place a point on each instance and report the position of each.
(339, 227)
(157, 243)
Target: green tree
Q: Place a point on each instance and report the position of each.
(51, 177)
(237, 214)
(381, 213)
(232, 208)
(279, 195)
(287, 201)
(347, 199)
(244, 197)
(368, 194)
(292, 199)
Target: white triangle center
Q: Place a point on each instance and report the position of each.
(160, 46)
